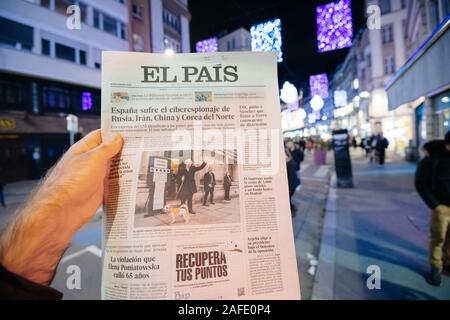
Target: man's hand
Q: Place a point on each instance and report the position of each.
(34, 241)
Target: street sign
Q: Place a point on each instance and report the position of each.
(72, 127)
(72, 123)
(7, 123)
(342, 159)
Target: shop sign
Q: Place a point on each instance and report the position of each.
(7, 123)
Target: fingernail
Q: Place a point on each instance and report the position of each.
(111, 138)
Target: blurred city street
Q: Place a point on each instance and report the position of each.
(338, 234)
(357, 91)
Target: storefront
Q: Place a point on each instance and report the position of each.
(423, 85)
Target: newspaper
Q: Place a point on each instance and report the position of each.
(197, 204)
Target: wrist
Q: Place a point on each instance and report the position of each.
(33, 244)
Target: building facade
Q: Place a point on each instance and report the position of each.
(50, 69)
(423, 82)
(405, 25)
(238, 40)
(159, 26)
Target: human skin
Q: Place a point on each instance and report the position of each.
(68, 197)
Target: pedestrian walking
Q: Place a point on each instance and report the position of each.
(380, 148)
(209, 182)
(227, 185)
(432, 182)
(293, 181)
(188, 187)
(354, 143)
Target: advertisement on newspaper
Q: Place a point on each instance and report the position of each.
(197, 203)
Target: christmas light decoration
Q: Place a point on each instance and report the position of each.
(319, 85)
(208, 45)
(340, 98)
(316, 103)
(289, 93)
(334, 26)
(266, 36)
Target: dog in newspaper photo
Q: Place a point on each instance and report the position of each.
(176, 212)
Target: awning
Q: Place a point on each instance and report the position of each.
(426, 72)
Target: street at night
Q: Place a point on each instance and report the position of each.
(119, 179)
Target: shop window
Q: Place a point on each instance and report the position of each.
(64, 52)
(11, 95)
(56, 98)
(16, 34)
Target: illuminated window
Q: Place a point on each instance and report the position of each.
(56, 98)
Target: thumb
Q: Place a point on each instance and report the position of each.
(108, 149)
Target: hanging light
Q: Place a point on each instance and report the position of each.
(316, 103)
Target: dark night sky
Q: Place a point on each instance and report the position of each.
(301, 58)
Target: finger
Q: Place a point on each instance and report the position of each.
(89, 142)
(109, 149)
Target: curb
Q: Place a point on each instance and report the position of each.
(324, 281)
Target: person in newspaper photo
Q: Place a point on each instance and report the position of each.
(166, 187)
(34, 241)
(227, 185)
(209, 181)
(188, 187)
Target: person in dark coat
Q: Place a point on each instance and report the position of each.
(354, 143)
(380, 148)
(227, 185)
(209, 181)
(188, 187)
(293, 181)
(296, 152)
(432, 182)
(2, 195)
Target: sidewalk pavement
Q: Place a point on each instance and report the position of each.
(310, 201)
(380, 222)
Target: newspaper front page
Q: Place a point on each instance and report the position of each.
(197, 204)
